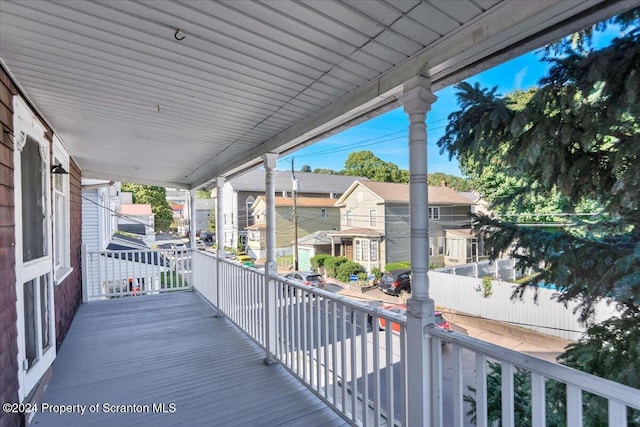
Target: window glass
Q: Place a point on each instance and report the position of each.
(33, 206)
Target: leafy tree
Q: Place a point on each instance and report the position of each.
(456, 182)
(156, 197)
(203, 194)
(365, 163)
(305, 168)
(327, 171)
(576, 140)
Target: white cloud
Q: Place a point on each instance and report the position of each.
(519, 78)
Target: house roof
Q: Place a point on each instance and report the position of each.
(140, 229)
(136, 209)
(399, 193)
(316, 238)
(176, 207)
(365, 232)
(307, 182)
(301, 202)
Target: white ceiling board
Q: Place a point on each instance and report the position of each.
(249, 77)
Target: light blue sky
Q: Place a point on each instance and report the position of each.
(386, 135)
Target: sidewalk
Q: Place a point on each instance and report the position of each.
(513, 337)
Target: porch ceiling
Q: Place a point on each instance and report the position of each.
(133, 103)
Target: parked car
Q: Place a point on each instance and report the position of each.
(179, 246)
(441, 321)
(309, 278)
(396, 282)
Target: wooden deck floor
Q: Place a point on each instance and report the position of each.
(169, 349)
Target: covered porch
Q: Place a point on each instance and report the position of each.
(187, 95)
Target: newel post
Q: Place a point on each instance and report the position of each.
(271, 267)
(416, 100)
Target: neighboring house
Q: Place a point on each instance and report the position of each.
(205, 213)
(314, 214)
(242, 191)
(374, 227)
(40, 255)
(100, 204)
(134, 216)
(480, 206)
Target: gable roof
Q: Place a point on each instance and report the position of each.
(307, 182)
(399, 193)
(301, 202)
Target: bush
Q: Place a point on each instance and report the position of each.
(331, 265)
(402, 265)
(376, 272)
(318, 261)
(345, 269)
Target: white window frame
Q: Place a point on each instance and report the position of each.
(348, 218)
(323, 213)
(434, 212)
(373, 217)
(61, 216)
(373, 251)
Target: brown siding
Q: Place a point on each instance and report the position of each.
(68, 294)
(8, 315)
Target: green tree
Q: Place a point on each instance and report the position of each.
(327, 171)
(365, 163)
(576, 138)
(305, 168)
(455, 182)
(203, 194)
(156, 197)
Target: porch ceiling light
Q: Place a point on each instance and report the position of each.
(179, 35)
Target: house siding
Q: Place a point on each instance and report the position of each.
(397, 239)
(8, 298)
(68, 294)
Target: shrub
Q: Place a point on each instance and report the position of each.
(376, 272)
(402, 265)
(318, 261)
(331, 265)
(345, 269)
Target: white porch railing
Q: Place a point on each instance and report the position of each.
(115, 274)
(334, 346)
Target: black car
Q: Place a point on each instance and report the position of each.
(396, 282)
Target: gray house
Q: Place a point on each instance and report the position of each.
(242, 191)
(374, 227)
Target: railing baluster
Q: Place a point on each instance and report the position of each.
(481, 390)
(312, 344)
(334, 351)
(364, 343)
(404, 415)
(617, 414)
(538, 404)
(389, 364)
(354, 367)
(376, 372)
(343, 356)
(574, 405)
(318, 345)
(436, 381)
(458, 402)
(508, 417)
(327, 336)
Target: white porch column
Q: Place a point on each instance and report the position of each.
(219, 240)
(417, 99)
(192, 219)
(271, 267)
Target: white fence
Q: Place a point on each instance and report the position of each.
(548, 316)
(115, 274)
(334, 346)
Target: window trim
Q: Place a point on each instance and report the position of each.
(61, 268)
(434, 212)
(373, 217)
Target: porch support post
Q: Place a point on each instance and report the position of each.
(271, 267)
(192, 219)
(417, 99)
(219, 241)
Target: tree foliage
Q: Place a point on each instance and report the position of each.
(574, 141)
(365, 163)
(156, 197)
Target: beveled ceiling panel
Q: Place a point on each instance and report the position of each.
(132, 102)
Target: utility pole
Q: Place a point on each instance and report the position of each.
(294, 185)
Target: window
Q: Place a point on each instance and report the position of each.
(430, 246)
(440, 245)
(373, 250)
(61, 221)
(365, 250)
(357, 254)
(348, 218)
(323, 213)
(250, 217)
(434, 213)
(372, 217)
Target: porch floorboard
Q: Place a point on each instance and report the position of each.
(171, 349)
